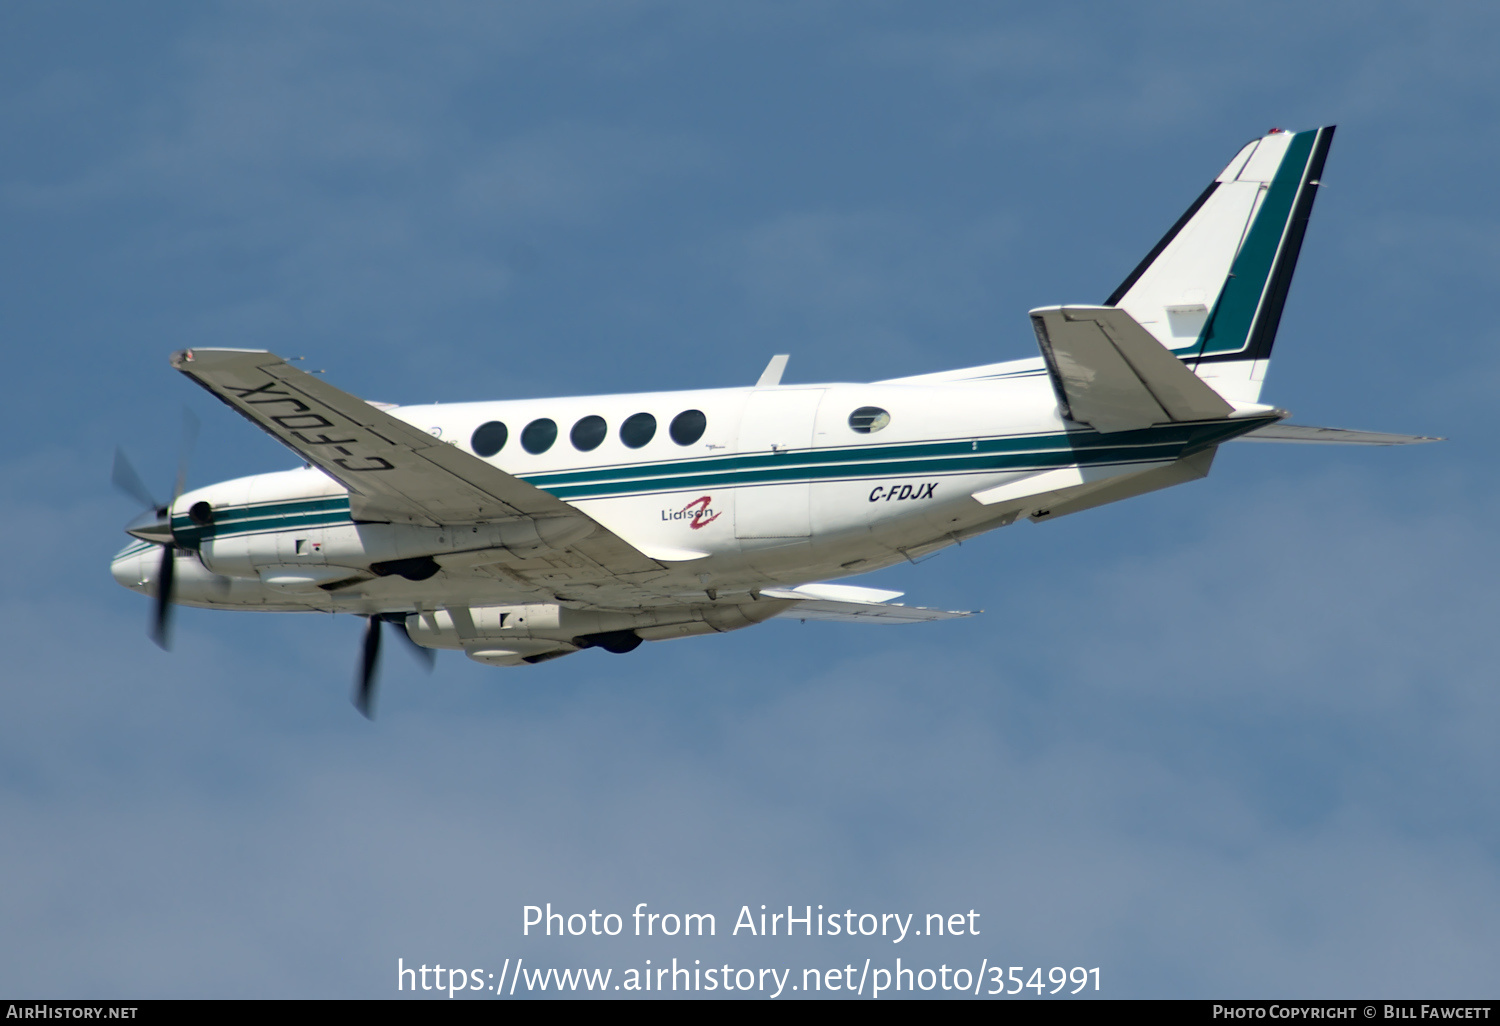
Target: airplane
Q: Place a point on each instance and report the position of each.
(522, 530)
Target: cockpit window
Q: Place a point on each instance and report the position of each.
(638, 429)
(688, 426)
(489, 439)
(538, 436)
(868, 419)
(588, 433)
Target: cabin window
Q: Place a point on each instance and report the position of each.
(539, 435)
(868, 419)
(588, 433)
(638, 429)
(687, 427)
(489, 439)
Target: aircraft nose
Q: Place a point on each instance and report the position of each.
(135, 566)
(152, 526)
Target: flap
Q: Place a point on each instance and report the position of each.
(1110, 373)
(843, 592)
(852, 605)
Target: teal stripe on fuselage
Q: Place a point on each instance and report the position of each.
(977, 454)
(946, 458)
(267, 516)
(332, 504)
(968, 463)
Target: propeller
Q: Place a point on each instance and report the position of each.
(364, 688)
(364, 681)
(128, 481)
(155, 524)
(161, 619)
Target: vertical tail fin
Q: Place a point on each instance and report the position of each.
(1212, 290)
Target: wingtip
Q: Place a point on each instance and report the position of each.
(183, 358)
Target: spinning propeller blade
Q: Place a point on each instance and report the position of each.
(128, 481)
(161, 623)
(364, 684)
(364, 691)
(185, 450)
(426, 656)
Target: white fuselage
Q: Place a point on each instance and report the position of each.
(778, 489)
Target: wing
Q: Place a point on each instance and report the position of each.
(397, 473)
(1110, 373)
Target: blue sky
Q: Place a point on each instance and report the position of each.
(1234, 739)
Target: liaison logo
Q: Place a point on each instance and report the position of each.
(699, 513)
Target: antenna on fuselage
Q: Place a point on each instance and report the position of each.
(771, 376)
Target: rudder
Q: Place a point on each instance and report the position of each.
(1213, 289)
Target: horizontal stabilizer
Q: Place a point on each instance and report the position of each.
(1110, 373)
(844, 603)
(1329, 436)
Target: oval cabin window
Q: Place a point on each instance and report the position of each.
(638, 429)
(688, 426)
(868, 419)
(588, 433)
(539, 435)
(489, 439)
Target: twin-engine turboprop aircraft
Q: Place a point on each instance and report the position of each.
(524, 530)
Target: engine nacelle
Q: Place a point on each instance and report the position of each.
(513, 635)
(362, 546)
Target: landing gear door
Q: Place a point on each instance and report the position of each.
(776, 429)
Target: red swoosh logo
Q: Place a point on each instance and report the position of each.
(698, 523)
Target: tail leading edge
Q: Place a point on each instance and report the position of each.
(1212, 290)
